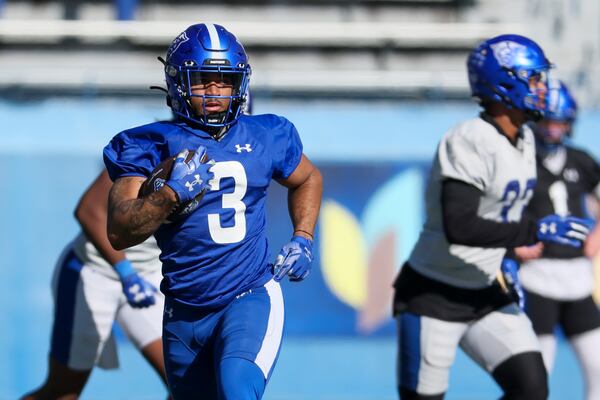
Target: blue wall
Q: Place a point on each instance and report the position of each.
(374, 159)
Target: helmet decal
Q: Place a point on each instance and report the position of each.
(179, 40)
(506, 52)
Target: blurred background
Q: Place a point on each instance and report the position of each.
(370, 84)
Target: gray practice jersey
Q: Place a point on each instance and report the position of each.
(143, 257)
(476, 153)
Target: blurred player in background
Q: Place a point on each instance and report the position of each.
(224, 314)
(447, 294)
(93, 286)
(558, 286)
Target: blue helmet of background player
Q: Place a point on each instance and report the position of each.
(561, 104)
(510, 69)
(199, 51)
(559, 117)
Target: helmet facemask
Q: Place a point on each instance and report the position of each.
(201, 88)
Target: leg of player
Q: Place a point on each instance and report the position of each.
(62, 383)
(232, 372)
(188, 351)
(423, 338)
(544, 315)
(581, 323)
(248, 342)
(523, 377)
(504, 344)
(84, 308)
(143, 326)
(587, 349)
(548, 349)
(153, 353)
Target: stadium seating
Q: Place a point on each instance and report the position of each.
(347, 48)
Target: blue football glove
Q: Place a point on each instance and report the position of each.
(569, 231)
(294, 259)
(190, 179)
(510, 272)
(138, 291)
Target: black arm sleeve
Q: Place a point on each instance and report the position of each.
(462, 225)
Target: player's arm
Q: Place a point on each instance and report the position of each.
(92, 215)
(131, 220)
(305, 188)
(463, 225)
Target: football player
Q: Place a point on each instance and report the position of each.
(93, 286)
(447, 294)
(558, 286)
(223, 320)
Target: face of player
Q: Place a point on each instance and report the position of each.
(538, 86)
(206, 85)
(554, 132)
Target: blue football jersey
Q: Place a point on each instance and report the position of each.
(221, 249)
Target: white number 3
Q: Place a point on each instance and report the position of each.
(237, 232)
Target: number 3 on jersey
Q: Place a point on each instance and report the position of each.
(511, 195)
(237, 232)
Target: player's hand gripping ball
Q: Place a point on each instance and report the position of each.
(188, 174)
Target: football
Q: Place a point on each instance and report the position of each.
(160, 175)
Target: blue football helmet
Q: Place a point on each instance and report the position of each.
(196, 55)
(561, 104)
(510, 69)
(561, 108)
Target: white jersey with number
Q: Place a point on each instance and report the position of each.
(476, 153)
(143, 257)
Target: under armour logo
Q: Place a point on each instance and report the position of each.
(545, 228)
(246, 147)
(196, 181)
(169, 312)
(138, 294)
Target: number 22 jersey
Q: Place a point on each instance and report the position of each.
(220, 250)
(476, 153)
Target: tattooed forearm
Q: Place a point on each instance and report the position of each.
(158, 199)
(132, 220)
